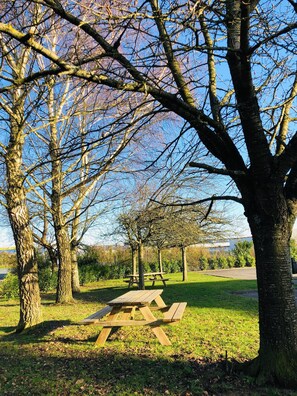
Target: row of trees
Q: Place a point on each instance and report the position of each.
(165, 226)
(58, 144)
(226, 72)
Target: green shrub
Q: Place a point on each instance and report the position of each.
(240, 261)
(47, 279)
(9, 287)
(223, 262)
(243, 254)
(172, 266)
(231, 261)
(203, 263)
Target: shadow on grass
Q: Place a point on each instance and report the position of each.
(104, 372)
(211, 294)
(35, 334)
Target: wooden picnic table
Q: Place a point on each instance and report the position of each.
(121, 312)
(152, 276)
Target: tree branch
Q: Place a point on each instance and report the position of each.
(217, 171)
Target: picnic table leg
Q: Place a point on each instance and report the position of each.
(160, 302)
(159, 333)
(106, 330)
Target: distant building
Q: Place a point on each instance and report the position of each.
(224, 246)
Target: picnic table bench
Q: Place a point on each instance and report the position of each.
(121, 311)
(152, 276)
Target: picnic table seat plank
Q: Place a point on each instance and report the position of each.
(95, 317)
(175, 312)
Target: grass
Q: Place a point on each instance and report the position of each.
(58, 357)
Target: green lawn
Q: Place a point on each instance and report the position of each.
(58, 357)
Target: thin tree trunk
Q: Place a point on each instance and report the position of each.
(160, 263)
(134, 260)
(64, 289)
(30, 307)
(53, 257)
(73, 246)
(75, 272)
(184, 263)
(141, 284)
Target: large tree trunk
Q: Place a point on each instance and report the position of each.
(277, 360)
(30, 307)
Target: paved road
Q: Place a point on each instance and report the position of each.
(242, 273)
(3, 272)
(237, 273)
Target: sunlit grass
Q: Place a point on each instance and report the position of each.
(58, 357)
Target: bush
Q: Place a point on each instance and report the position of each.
(231, 261)
(240, 261)
(47, 279)
(213, 263)
(223, 262)
(9, 287)
(203, 263)
(172, 266)
(243, 254)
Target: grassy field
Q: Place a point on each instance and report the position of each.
(58, 357)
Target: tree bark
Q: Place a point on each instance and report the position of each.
(30, 306)
(160, 260)
(64, 289)
(141, 284)
(277, 359)
(184, 263)
(75, 272)
(134, 260)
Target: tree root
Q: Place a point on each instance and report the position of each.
(272, 369)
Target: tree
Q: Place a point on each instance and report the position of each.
(227, 69)
(15, 111)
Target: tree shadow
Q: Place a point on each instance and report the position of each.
(105, 372)
(209, 294)
(34, 334)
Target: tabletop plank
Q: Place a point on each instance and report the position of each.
(136, 297)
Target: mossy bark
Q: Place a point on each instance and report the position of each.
(30, 306)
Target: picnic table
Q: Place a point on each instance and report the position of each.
(152, 276)
(121, 312)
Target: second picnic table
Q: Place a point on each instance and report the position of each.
(152, 276)
(127, 304)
